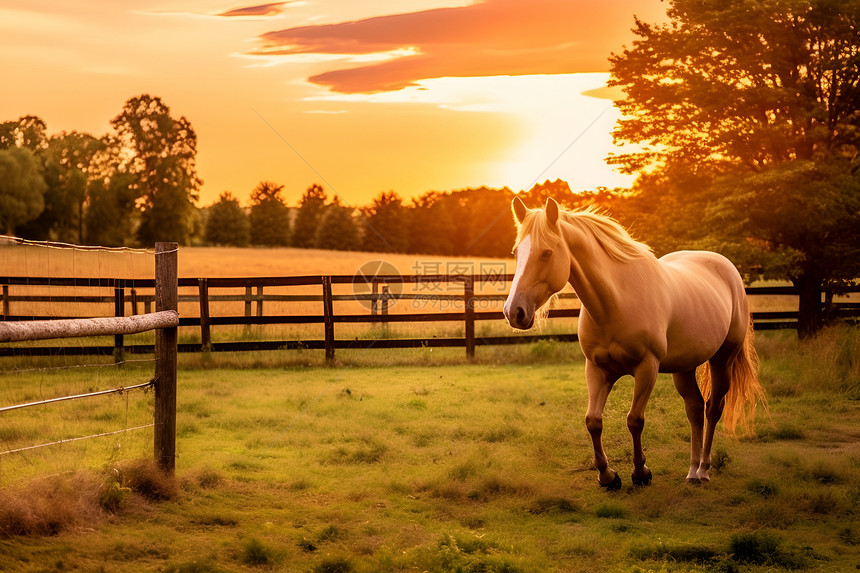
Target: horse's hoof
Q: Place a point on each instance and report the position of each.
(694, 481)
(643, 481)
(614, 485)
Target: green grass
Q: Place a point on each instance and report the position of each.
(440, 465)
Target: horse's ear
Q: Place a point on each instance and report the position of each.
(552, 210)
(519, 209)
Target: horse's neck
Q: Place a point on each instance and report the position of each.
(602, 283)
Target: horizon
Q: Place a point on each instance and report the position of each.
(377, 96)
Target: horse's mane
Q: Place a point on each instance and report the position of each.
(606, 231)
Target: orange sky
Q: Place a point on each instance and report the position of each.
(364, 96)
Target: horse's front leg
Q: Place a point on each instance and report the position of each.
(599, 386)
(643, 383)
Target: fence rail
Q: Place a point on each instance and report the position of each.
(128, 293)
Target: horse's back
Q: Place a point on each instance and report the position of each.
(708, 305)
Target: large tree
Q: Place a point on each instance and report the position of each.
(748, 117)
(162, 153)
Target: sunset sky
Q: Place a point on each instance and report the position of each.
(362, 97)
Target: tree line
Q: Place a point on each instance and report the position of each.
(130, 186)
(473, 222)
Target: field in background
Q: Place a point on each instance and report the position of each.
(479, 467)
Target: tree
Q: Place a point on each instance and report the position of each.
(227, 223)
(67, 161)
(162, 154)
(109, 219)
(746, 109)
(337, 229)
(28, 132)
(22, 188)
(482, 222)
(386, 224)
(270, 217)
(558, 190)
(431, 225)
(311, 208)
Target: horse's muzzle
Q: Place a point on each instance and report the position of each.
(518, 317)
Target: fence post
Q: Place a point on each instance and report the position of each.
(328, 319)
(469, 301)
(119, 310)
(247, 301)
(205, 339)
(5, 301)
(260, 300)
(134, 302)
(166, 298)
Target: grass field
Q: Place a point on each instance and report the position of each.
(439, 465)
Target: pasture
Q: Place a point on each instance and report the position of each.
(424, 462)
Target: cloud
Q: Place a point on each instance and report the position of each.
(489, 38)
(272, 9)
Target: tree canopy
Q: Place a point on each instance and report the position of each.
(270, 217)
(227, 223)
(161, 152)
(748, 117)
(22, 188)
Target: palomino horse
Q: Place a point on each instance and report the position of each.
(641, 315)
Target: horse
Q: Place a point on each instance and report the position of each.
(641, 315)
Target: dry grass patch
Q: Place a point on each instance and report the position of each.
(81, 500)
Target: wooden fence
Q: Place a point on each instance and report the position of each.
(377, 298)
(165, 321)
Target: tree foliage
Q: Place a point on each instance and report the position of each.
(109, 218)
(385, 223)
(270, 217)
(161, 152)
(22, 188)
(747, 114)
(227, 223)
(308, 217)
(432, 224)
(337, 229)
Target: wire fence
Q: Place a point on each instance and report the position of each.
(35, 398)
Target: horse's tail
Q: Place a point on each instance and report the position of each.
(745, 392)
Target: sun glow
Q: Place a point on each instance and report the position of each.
(365, 92)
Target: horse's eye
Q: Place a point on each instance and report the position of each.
(546, 254)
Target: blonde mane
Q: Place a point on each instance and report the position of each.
(606, 231)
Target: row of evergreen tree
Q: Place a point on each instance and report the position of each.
(464, 222)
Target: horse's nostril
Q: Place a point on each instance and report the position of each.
(521, 315)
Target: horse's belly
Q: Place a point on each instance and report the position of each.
(689, 347)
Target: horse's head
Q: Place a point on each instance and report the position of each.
(543, 262)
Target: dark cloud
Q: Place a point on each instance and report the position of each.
(261, 10)
(494, 37)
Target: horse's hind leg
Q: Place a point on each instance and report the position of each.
(599, 386)
(721, 375)
(685, 384)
